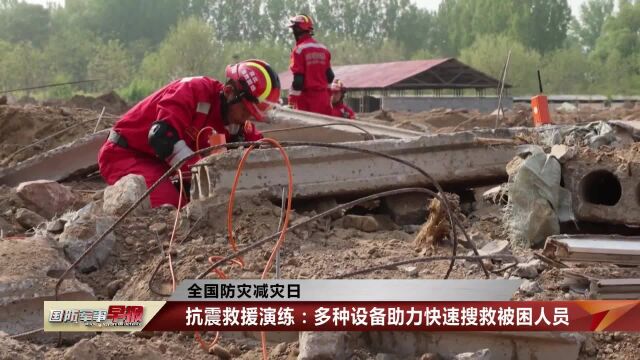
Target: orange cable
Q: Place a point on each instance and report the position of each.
(173, 232)
(285, 223)
(200, 133)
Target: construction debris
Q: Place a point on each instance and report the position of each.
(604, 185)
(124, 193)
(81, 230)
(615, 289)
(594, 248)
(537, 203)
(451, 159)
(28, 273)
(323, 345)
(76, 158)
(28, 219)
(350, 130)
(130, 264)
(47, 197)
(502, 345)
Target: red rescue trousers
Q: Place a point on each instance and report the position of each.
(317, 101)
(116, 162)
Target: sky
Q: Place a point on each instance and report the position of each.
(428, 4)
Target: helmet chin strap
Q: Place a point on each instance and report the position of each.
(232, 128)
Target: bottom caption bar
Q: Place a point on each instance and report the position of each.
(596, 315)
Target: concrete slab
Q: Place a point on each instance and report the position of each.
(458, 158)
(615, 289)
(603, 191)
(26, 281)
(283, 117)
(59, 163)
(594, 248)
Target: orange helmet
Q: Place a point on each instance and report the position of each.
(257, 84)
(337, 86)
(302, 22)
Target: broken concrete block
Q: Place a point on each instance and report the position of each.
(562, 152)
(484, 354)
(410, 270)
(29, 270)
(28, 219)
(527, 270)
(48, 198)
(363, 223)
(407, 209)
(604, 187)
(496, 247)
(322, 345)
(74, 158)
(320, 172)
(55, 226)
(124, 193)
(530, 288)
(84, 227)
(84, 349)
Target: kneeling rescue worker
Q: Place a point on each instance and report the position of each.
(165, 128)
(339, 108)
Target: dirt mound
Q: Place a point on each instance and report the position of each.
(448, 120)
(24, 125)
(113, 103)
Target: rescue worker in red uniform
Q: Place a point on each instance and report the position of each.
(310, 64)
(340, 109)
(165, 128)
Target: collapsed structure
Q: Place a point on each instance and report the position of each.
(335, 161)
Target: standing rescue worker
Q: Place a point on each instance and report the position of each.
(171, 123)
(310, 64)
(340, 109)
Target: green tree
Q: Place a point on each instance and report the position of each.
(488, 54)
(541, 24)
(23, 66)
(68, 52)
(112, 64)
(593, 15)
(567, 71)
(190, 49)
(620, 32)
(22, 22)
(537, 24)
(127, 20)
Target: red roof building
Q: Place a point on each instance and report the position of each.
(436, 74)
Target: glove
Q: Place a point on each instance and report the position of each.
(293, 101)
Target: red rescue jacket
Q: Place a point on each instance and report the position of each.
(311, 59)
(189, 105)
(343, 111)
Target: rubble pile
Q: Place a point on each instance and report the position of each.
(444, 120)
(59, 220)
(21, 126)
